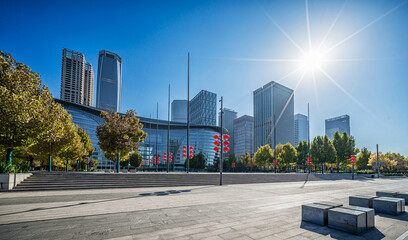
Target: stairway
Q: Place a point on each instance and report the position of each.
(40, 181)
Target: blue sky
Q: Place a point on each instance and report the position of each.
(229, 42)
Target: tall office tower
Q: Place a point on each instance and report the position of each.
(273, 106)
(179, 111)
(340, 124)
(109, 86)
(88, 84)
(228, 123)
(301, 128)
(203, 109)
(243, 135)
(72, 76)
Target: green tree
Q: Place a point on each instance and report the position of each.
(302, 153)
(135, 159)
(22, 100)
(198, 162)
(398, 158)
(263, 155)
(362, 159)
(246, 159)
(317, 150)
(87, 144)
(287, 155)
(329, 152)
(345, 147)
(72, 147)
(120, 134)
(388, 163)
(230, 160)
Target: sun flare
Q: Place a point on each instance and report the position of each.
(311, 61)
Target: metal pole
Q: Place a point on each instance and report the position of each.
(157, 137)
(221, 141)
(188, 113)
(352, 173)
(308, 133)
(378, 164)
(168, 132)
(274, 143)
(150, 142)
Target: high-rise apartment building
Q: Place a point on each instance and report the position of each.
(273, 106)
(203, 109)
(301, 128)
(243, 135)
(88, 84)
(179, 111)
(338, 124)
(109, 85)
(228, 123)
(76, 78)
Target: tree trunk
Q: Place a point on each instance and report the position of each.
(66, 167)
(118, 163)
(9, 153)
(338, 165)
(49, 162)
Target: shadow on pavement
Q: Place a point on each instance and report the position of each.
(401, 217)
(372, 234)
(159, 193)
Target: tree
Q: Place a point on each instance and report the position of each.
(73, 148)
(388, 163)
(344, 146)
(362, 159)
(22, 100)
(302, 150)
(287, 155)
(135, 159)
(263, 155)
(120, 134)
(230, 160)
(197, 162)
(329, 152)
(246, 159)
(317, 150)
(87, 144)
(398, 158)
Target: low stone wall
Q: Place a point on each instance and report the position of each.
(9, 181)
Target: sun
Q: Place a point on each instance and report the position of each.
(311, 61)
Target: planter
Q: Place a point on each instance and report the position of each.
(10, 180)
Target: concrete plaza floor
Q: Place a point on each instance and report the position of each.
(247, 211)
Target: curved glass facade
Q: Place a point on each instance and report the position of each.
(155, 144)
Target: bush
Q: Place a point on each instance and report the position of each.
(392, 174)
(366, 172)
(13, 168)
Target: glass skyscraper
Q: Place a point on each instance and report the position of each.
(179, 111)
(201, 137)
(301, 128)
(203, 109)
(338, 124)
(109, 85)
(273, 106)
(244, 135)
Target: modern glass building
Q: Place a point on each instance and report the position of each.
(201, 137)
(338, 124)
(179, 111)
(244, 135)
(109, 85)
(301, 128)
(203, 109)
(273, 106)
(77, 79)
(228, 122)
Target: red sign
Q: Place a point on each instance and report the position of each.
(233, 165)
(309, 161)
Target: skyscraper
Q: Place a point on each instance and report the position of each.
(203, 109)
(340, 124)
(273, 106)
(243, 135)
(109, 86)
(228, 123)
(179, 110)
(76, 78)
(88, 84)
(301, 128)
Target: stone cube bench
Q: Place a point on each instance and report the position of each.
(370, 215)
(347, 220)
(361, 201)
(403, 195)
(389, 205)
(315, 213)
(386, 194)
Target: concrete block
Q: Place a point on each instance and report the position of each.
(386, 194)
(9, 181)
(315, 213)
(403, 195)
(389, 205)
(347, 220)
(362, 201)
(370, 214)
(333, 204)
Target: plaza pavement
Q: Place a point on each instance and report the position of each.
(242, 211)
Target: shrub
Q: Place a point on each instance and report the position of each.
(13, 168)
